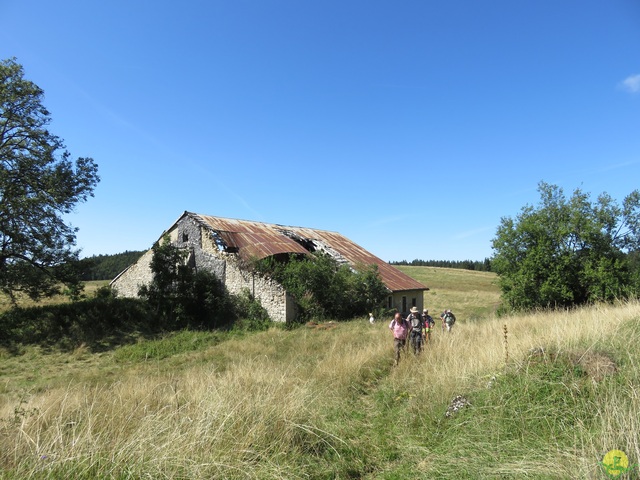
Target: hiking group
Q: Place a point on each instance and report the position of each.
(417, 329)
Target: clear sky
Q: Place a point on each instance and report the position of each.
(410, 127)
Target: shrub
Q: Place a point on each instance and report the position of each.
(182, 297)
(568, 252)
(323, 288)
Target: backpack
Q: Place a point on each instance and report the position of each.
(449, 318)
(416, 323)
(403, 321)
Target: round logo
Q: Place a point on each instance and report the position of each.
(615, 462)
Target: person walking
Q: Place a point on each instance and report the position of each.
(429, 322)
(417, 333)
(448, 319)
(400, 329)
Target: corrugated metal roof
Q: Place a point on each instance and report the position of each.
(260, 245)
(257, 240)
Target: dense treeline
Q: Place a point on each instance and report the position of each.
(480, 266)
(106, 267)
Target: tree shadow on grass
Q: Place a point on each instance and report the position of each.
(99, 324)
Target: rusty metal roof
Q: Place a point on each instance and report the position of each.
(257, 240)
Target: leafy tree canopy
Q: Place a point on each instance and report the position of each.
(566, 252)
(323, 288)
(181, 296)
(39, 184)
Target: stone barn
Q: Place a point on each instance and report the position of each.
(224, 246)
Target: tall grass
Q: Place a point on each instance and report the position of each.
(251, 409)
(325, 402)
(545, 414)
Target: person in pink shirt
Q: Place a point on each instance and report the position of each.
(400, 329)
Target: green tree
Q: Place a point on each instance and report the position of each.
(182, 297)
(324, 288)
(368, 292)
(39, 184)
(567, 251)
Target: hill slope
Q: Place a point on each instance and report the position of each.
(470, 294)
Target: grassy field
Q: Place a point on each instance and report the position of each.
(469, 294)
(539, 396)
(24, 301)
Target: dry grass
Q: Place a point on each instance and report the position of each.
(265, 403)
(322, 402)
(474, 349)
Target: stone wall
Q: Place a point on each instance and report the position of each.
(129, 282)
(227, 266)
(205, 254)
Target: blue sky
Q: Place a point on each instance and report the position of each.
(411, 127)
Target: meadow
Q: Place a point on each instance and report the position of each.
(542, 395)
(24, 301)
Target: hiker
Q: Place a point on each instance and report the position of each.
(417, 330)
(400, 329)
(429, 322)
(372, 320)
(448, 319)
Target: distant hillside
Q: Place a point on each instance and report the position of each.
(106, 267)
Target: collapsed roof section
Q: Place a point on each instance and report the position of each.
(257, 240)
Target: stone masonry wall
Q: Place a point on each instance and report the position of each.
(129, 282)
(205, 254)
(271, 295)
